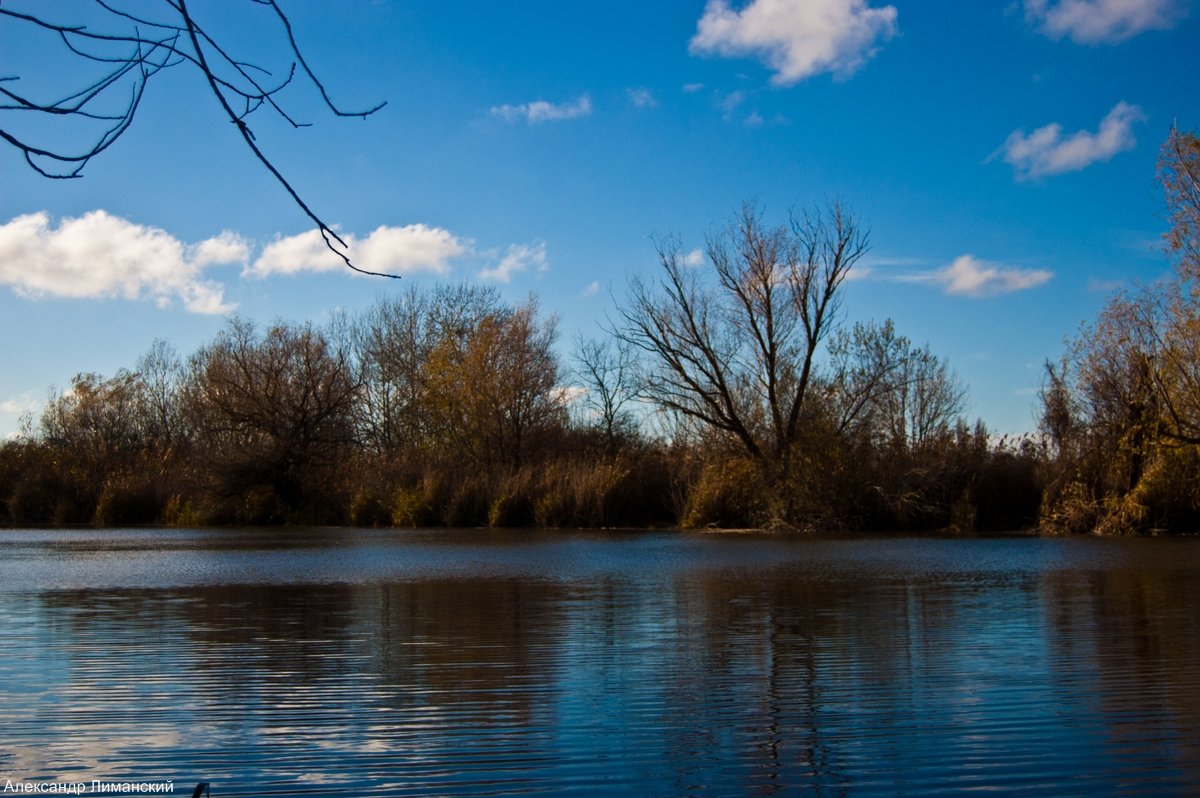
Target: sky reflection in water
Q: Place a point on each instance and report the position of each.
(326, 662)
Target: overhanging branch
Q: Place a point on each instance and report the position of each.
(135, 51)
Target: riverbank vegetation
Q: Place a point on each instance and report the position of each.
(1122, 407)
(733, 394)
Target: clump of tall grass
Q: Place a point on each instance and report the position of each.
(729, 493)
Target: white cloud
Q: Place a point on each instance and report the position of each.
(305, 252)
(568, 395)
(730, 102)
(412, 248)
(870, 265)
(16, 405)
(1046, 151)
(692, 88)
(870, 261)
(1099, 286)
(225, 248)
(98, 255)
(641, 97)
(392, 250)
(519, 258)
(542, 111)
(694, 258)
(1102, 21)
(592, 289)
(796, 38)
(969, 276)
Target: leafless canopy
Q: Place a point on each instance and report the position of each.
(608, 370)
(738, 356)
(119, 49)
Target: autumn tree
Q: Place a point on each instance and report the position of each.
(93, 435)
(1179, 173)
(95, 419)
(274, 410)
(1177, 334)
(1123, 409)
(393, 342)
(492, 387)
(1101, 412)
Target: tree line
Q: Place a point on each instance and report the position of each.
(744, 401)
(1121, 409)
(733, 394)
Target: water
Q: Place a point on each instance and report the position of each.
(359, 663)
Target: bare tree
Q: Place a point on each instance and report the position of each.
(119, 47)
(160, 377)
(739, 355)
(391, 343)
(608, 372)
(898, 393)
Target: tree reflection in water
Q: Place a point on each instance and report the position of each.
(674, 667)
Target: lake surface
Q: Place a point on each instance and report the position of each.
(360, 663)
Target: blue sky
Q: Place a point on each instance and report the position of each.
(1002, 155)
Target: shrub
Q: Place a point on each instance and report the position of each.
(179, 511)
(1069, 510)
(125, 499)
(729, 493)
(262, 506)
(510, 509)
(1164, 499)
(368, 509)
(411, 508)
(1008, 492)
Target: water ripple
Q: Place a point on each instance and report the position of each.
(600, 665)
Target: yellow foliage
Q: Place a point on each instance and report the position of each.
(729, 493)
(410, 508)
(181, 512)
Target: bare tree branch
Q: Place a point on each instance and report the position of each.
(738, 356)
(136, 54)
